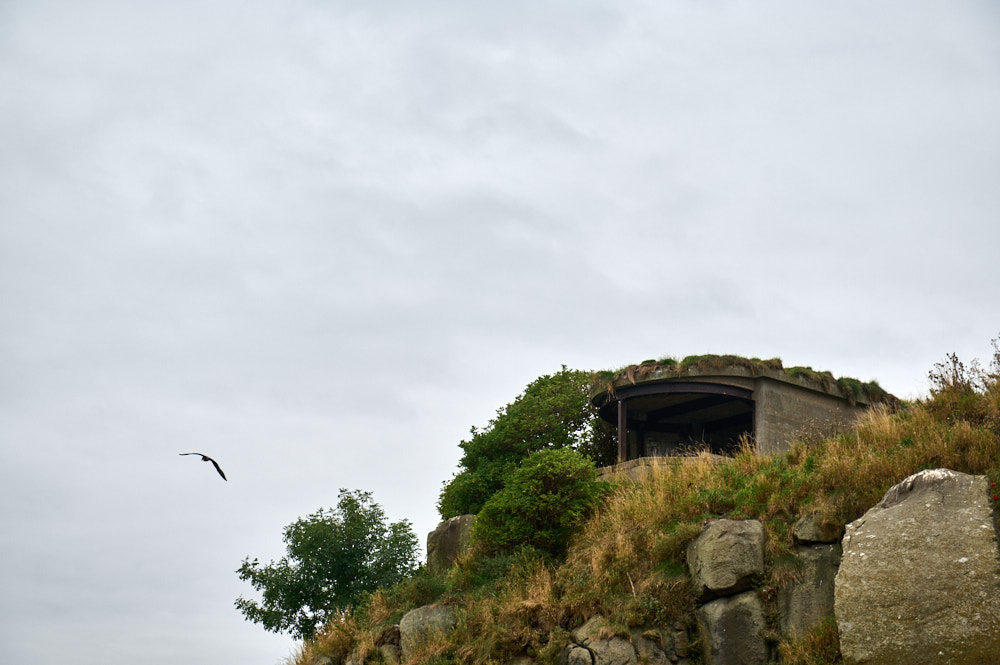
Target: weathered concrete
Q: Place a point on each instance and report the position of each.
(810, 600)
(770, 406)
(732, 630)
(784, 412)
(919, 581)
(726, 558)
(447, 542)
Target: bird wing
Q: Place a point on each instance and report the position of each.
(216, 465)
(206, 458)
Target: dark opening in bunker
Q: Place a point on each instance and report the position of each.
(673, 418)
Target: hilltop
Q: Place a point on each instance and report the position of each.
(626, 562)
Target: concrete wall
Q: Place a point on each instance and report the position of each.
(784, 412)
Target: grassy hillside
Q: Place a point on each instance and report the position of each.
(627, 562)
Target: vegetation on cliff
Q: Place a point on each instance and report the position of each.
(554, 411)
(626, 561)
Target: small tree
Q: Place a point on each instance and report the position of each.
(543, 503)
(554, 411)
(334, 558)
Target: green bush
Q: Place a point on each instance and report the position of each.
(554, 411)
(542, 504)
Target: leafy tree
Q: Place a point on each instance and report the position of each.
(335, 556)
(554, 411)
(542, 504)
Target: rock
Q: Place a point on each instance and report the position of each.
(726, 557)
(421, 623)
(919, 581)
(814, 529)
(447, 541)
(808, 601)
(603, 647)
(732, 630)
(574, 654)
(389, 636)
(653, 647)
(522, 660)
(681, 642)
(390, 653)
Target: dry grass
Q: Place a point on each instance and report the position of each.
(819, 646)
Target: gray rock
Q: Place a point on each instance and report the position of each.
(522, 660)
(614, 651)
(732, 630)
(653, 650)
(726, 557)
(447, 541)
(419, 624)
(390, 653)
(808, 601)
(680, 642)
(603, 647)
(919, 581)
(814, 529)
(574, 654)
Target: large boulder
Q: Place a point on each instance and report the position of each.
(726, 558)
(447, 541)
(919, 581)
(732, 630)
(421, 624)
(809, 600)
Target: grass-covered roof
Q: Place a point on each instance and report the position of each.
(852, 389)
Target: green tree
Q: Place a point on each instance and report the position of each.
(543, 503)
(554, 411)
(334, 557)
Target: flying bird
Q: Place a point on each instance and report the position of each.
(206, 458)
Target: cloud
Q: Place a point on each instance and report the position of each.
(320, 240)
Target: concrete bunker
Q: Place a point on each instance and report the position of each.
(666, 408)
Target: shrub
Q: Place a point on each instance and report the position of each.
(554, 411)
(542, 504)
(961, 391)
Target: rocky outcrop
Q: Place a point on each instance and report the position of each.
(724, 562)
(447, 541)
(918, 582)
(595, 643)
(726, 558)
(420, 624)
(807, 601)
(920, 577)
(732, 630)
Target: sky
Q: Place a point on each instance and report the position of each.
(320, 240)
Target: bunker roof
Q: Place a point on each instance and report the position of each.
(605, 383)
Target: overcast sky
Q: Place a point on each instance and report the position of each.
(320, 240)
